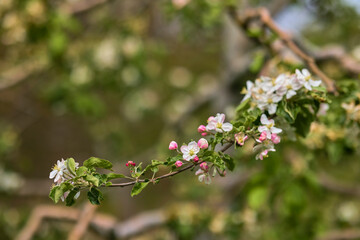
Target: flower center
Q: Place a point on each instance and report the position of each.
(270, 100)
(218, 125)
(191, 152)
(289, 87)
(270, 125)
(56, 167)
(307, 78)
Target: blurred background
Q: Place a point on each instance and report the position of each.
(120, 79)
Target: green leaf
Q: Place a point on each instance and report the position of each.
(92, 179)
(229, 162)
(69, 201)
(138, 187)
(70, 163)
(81, 171)
(114, 176)
(58, 191)
(52, 192)
(95, 196)
(98, 163)
(303, 121)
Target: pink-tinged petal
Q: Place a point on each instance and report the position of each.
(199, 171)
(227, 127)
(276, 130)
(184, 149)
(193, 145)
(52, 174)
(207, 179)
(203, 143)
(268, 134)
(211, 126)
(264, 120)
(262, 128)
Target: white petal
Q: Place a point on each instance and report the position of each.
(199, 171)
(298, 73)
(272, 108)
(290, 94)
(264, 120)
(227, 127)
(315, 83)
(208, 179)
(193, 145)
(268, 134)
(276, 130)
(220, 117)
(211, 126)
(307, 86)
(306, 72)
(57, 177)
(201, 177)
(186, 157)
(77, 195)
(53, 173)
(219, 130)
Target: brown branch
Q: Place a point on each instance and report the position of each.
(83, 222)
(226, 147)
(347, 234)
(335, 186)
(42, 212)
(263, 15)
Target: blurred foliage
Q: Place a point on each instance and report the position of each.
(124, 72)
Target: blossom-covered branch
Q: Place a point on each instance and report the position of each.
(269, 106)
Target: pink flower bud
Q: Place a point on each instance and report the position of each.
(203, 143)
(204, 166)
(130, 163)
(262, 136)
(173, 145)
(178, 164)
(204, 134)
(275, 138)
(201, 129)
(196, 159)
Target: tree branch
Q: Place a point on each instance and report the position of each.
(225, 147)
(83, 222)
(263, 15)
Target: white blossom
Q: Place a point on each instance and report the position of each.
(304, 77)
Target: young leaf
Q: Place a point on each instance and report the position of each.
(81, 171)
(98, 163)
(69, 201)
(95, 196)
(70, 163)
(111, 176)
(138, 187)
(92, 179)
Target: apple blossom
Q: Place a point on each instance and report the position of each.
(196, 159)
(264, 154)
(304, 77)
(204, 166)
(217, 124)
(203, 176)
(130, 163)
(240, 138)
(262, 137)
(189, 151)
(268, 126)
(58, 170)
(203, 143)
(173, 145)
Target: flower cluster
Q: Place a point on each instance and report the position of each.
(268, 137)
(267, 92)
(60, 173)
(215, 124)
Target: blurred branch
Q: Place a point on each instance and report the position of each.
(335, 186)
(83, 222)
(42, 212)
(347, 234)
(263, 15)
(339, 54)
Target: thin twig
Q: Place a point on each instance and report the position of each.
(263, 15)
(226, 147)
